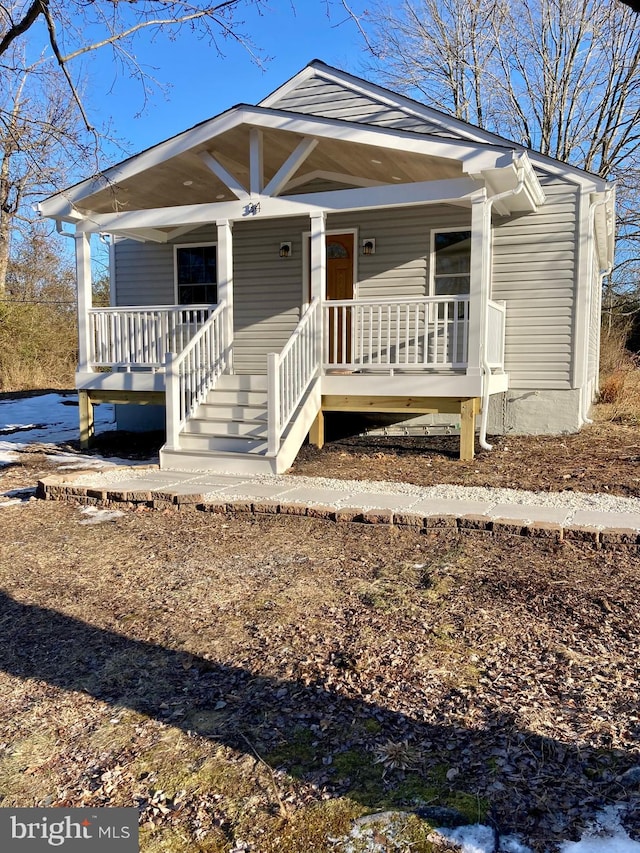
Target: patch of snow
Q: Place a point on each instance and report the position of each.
(47, 418)
(76, 461)
(605, 835)
(478, 838)
(99, 516)
(7, 454)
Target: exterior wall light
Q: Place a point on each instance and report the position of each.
(286, 249)
(369, 246)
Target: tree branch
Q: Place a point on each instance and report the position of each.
(16, 30)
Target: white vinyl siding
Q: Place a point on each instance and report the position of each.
(534, 272)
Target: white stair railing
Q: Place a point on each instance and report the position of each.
(382, 334)
(193, 372)
(141, 335)
(291, 372)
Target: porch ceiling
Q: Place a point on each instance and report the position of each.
(185, 179)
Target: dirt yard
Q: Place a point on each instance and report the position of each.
(603, 457)
(258, 684)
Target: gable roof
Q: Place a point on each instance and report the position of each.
(321, 89)
(358, 134)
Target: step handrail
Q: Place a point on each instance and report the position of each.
(291, 372)
(193, 372)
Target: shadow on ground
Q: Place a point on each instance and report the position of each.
(320, 735)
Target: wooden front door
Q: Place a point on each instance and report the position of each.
(339, 286)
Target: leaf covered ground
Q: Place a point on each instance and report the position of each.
(259, 683)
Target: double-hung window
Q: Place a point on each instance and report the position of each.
(451, 262)
(196, 274)
(450, 276)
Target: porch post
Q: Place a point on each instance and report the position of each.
(83, 279)
(318, 283)
(479, 280)
(225, 284)
(318, 256)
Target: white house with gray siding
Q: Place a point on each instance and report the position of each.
(338, 247)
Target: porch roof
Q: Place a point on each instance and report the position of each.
(249, 153)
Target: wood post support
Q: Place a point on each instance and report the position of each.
(316, 433)
(87, 423)
(468, 411)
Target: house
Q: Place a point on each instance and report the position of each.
(338, 247)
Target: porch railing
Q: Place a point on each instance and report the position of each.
(291, 372)
(136, 337)
(384, 334)
(192, 373)
(496, 334)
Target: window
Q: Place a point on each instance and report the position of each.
(451, 262)
(196, 274)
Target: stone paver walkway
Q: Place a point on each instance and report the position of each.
(579, 516)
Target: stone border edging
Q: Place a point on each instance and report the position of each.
(56, 487)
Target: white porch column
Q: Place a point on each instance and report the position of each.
(83, 280)
(318, 256)
(479, 280)
(225, 283)
(318, 281)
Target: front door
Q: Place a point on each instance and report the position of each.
(339, 286)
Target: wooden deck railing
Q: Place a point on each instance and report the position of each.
(193, 372)
(384, 334)
(140, 337)
(291, 372)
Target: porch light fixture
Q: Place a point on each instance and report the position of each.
(369, 246)
(286, 249)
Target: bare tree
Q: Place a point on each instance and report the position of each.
(41, 140)
(559, 76)
(74, 28)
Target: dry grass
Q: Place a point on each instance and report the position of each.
(619, 399)
(38, 346)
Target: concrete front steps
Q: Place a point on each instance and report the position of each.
(228, 432)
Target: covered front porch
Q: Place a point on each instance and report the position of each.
(403, 336)
(402, 356)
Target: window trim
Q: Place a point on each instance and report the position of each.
(432, 255)
(197, 245)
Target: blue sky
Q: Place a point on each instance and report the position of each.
(201, 83)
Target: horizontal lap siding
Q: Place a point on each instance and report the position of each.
(320, 97)
(534, 269)
(144, 272)
(399, 267)
(267, 289)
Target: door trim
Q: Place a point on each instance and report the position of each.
(306, 252)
